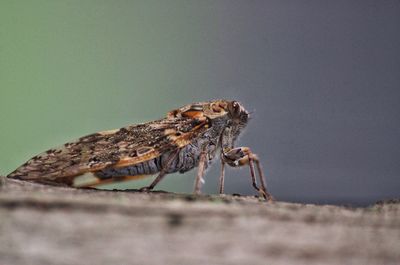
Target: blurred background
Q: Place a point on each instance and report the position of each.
(322, 77)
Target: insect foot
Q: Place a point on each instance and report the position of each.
(146, 189)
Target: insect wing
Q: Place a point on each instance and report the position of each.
(111, 149)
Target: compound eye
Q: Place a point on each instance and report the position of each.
(236, 107)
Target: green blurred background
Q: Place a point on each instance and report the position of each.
(69, 68)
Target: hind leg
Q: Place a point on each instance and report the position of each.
(163, 172)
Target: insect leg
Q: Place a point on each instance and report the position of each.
(163, 171)
(200, 172)
(261, 177)
(222, 178)
(241, 156)
(252, 173)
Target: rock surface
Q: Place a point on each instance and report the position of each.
(43, 225)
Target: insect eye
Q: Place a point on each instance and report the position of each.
(236, 105)
(235, 108)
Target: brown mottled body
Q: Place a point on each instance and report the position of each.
(188, 137)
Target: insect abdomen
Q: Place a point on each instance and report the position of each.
(145, 168)
(187, 158)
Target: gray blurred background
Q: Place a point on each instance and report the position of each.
(322, 77)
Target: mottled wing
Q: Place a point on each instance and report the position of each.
(117, 148)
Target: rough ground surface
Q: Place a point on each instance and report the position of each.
(51, 225)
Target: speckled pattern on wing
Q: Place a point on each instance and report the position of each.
(117, 148)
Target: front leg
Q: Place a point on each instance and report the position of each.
(241, 156)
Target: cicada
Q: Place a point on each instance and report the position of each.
(188, 137)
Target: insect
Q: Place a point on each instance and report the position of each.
(188, 137)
